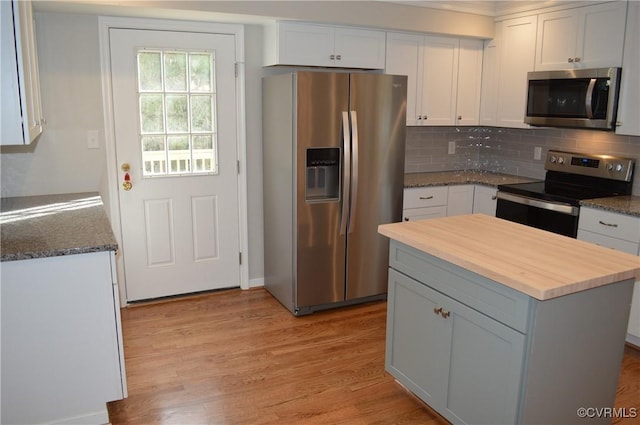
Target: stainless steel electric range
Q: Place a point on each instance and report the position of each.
(554, 203)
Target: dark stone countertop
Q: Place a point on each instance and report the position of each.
(628, 205)
(54, 225)
(450, 178)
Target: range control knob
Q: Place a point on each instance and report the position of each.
(609, 167)
(561, 160)
(552, 159)
(619, 168)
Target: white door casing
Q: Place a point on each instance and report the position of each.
(195, 257)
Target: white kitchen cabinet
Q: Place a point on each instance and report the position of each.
(444, 77)
(583, 37)
(424, 202)
(62, 356)
(21, 107)
(620, 232)
(289, 43)
(629, 103)
(484, 200)
(460, 200)
(508, 59)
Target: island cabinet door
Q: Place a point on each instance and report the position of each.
(462, 363)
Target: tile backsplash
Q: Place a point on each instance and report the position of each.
(508, 150)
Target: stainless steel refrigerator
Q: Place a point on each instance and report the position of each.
(333, 158)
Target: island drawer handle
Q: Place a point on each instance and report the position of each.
(437, 310)
(607, 224)
(427, 197)
(445, 314)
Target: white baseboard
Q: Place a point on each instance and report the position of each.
(256, 283)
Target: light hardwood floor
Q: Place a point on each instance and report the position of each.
(238, 357)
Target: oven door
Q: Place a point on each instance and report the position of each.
(554, 217)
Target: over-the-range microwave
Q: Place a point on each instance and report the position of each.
(581, 98)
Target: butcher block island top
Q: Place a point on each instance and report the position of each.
(538, 263)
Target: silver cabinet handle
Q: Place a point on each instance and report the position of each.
(494, 197)
(332, 57)
(459, 117)
(607, 224)
(339, 57)
(427, 197)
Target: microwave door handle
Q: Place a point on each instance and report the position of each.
(588, 101)
(346, 173)
(354, 169)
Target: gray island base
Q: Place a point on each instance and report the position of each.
(479, 351)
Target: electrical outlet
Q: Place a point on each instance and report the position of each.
(93, 139)
(452, 148)
(537, 153)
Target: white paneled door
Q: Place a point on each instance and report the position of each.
(174, 103)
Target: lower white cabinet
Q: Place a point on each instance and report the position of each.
(619, 232)
(485, 200)
(479, 352)
(442, 201)
(62, 357)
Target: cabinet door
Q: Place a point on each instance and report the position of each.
(490, 79)
(440, 80)
(460, 200)
(300, 44)
(404, 57)
(484, 200)
(21, 106)
(557, 40)
(469, 82)
(517, 54)
(465, 365)
(629, 105)
(417, 346)
(601, 35)
(358, 48)
(485, 367)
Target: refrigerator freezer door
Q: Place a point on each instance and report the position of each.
(379, 102)
(321, 98)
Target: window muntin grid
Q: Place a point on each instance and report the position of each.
(177, 114)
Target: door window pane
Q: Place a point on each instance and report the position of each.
(177, 114)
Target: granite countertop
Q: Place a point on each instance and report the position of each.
(511, 254)
(447, 178)
(629, 205)
(54, 225)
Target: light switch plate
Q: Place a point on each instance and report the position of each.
(452, 148)
(93, 139)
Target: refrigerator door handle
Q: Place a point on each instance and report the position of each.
(346, 173)
(354, 169)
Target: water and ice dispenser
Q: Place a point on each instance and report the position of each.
(323, 174)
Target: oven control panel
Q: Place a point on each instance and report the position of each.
(603, 166)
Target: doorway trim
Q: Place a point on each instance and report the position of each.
(110, 185)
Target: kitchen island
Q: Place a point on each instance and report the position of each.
(62, 354)
(492, 322)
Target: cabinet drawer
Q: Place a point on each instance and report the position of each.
(608, 241)
(610, 224)
(413, 214)
(497, 301)
(425, 197)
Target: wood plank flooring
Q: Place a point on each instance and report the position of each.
(239, 357)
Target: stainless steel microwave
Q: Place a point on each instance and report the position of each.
(582, 98)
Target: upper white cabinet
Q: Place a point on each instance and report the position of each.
(629, 103)
(508, 58)
(584, 37)
(444, 77)
(288, 43)
(21, 108)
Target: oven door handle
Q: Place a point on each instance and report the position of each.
(537, 203)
